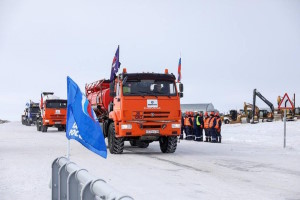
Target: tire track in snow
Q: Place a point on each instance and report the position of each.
(177, 164)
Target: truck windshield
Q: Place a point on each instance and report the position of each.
(34, 110)
(56, 104)
(149, 88)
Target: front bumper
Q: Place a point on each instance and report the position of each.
(147, 129)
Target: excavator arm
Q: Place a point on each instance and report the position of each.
(256, 93)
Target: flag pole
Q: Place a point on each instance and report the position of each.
(68, 150)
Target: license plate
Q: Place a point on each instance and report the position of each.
(57, 122)
(152, 131)
(57, 111)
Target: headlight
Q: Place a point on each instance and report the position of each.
(126, 126)
(46, 120)
(176, 126)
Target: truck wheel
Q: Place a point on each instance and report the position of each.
(133, 143)
(28, 123)
(115, 145)
(226, 121)
(44, 128)
(61, 129)
(168, 144)
(141, 144)
(38, 128)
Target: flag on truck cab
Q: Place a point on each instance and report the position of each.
(115, 65)
(179, 70)
(82, 124)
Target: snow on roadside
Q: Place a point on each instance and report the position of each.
(250, 164)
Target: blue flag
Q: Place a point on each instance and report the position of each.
(82, 124)
(115, 65)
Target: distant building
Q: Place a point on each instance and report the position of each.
(202, 107)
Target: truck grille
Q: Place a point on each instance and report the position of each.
(57, 116)
(155, 115)
(151, 126)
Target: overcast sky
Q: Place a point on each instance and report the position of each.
(228, 48)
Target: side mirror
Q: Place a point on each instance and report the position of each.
(180, 87)
(180, 94)
(112, 92)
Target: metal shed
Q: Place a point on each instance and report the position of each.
(202, 107)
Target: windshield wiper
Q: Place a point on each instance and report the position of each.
(139, 92)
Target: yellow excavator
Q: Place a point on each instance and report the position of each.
(248, 112)
(232, 118)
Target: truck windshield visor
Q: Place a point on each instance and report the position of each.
(149, 88)
(56, 104)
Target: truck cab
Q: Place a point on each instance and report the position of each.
(53, 112)
(31, 112)
(144, 107)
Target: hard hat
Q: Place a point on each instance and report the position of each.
(212, 113)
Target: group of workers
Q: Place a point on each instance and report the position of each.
(193, 124)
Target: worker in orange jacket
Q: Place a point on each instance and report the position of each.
(189, 127)
(218, 128)
(206, 128)
(182, 127)
(212, 125)
(193, 131)
(185, 123)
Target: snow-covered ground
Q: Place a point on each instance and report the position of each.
(250, 164)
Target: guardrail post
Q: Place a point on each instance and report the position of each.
(69, 182)
(62, 182)
(54, 180)
(74, 187)
(86, 193)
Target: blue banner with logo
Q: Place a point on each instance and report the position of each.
(82, 124)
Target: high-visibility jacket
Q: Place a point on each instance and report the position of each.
(198, 120)
(218, 124)
(187, 121)
(212, 122)
(206, 122)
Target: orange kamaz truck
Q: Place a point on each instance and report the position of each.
(138, 107)
(53, 112)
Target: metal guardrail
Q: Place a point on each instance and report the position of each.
(73, 183)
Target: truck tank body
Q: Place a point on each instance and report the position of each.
(98, 93)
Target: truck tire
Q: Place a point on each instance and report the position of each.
(168, 144)
(44, 128)
(142, 144)
(115, 145)
(226, 121)
(27, 123)
(38, 127)
(61, 129)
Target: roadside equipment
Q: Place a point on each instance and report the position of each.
(263, 114)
